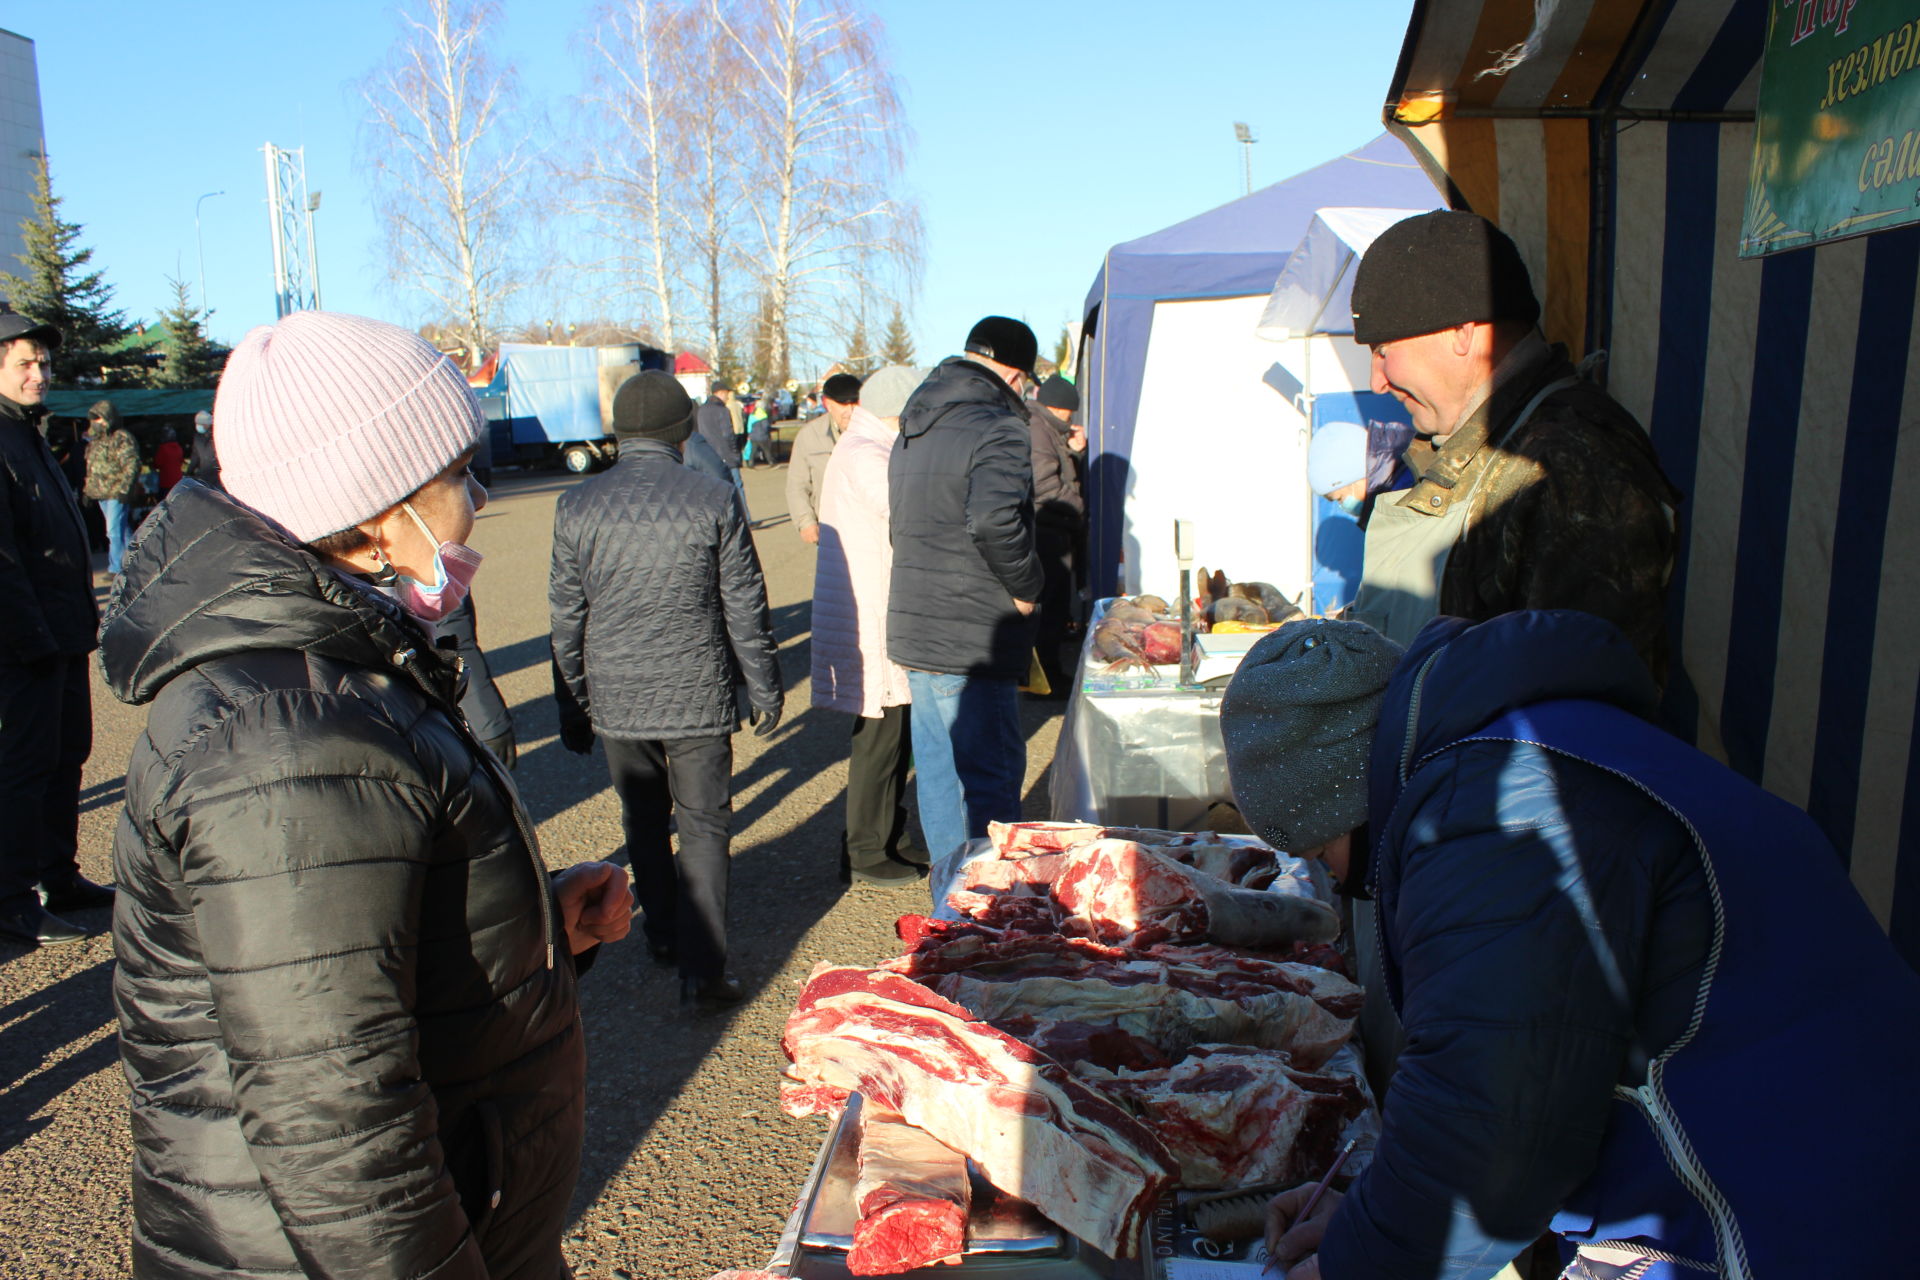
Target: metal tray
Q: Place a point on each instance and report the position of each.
(1007, 1238)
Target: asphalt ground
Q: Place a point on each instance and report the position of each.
(690, 1166)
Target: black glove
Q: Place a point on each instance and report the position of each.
(765, 720)
(576, 734)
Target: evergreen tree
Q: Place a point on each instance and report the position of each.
(728, 366)
(56, 288)
(859, 357)
(896, 347)
(187, 358)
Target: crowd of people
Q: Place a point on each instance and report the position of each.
(347, 982)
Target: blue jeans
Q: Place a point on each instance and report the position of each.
(119, 518)
(968, 753)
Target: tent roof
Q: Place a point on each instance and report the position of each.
(142, 403)
(687, 362)
(1239, 247)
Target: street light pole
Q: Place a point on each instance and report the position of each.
(313, 249)
(201, 246)
(1244, 136)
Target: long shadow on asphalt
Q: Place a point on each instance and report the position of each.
(39, 1027)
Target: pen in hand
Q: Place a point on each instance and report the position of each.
(1319, 1192)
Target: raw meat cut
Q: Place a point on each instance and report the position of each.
(1234, 1116)
(1126, 893)
(912, 1197)
(1161, 643)
(1033, 1130)
(1122, 892)
(1170, 997)
(1024, 839)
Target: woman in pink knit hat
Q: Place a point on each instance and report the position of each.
(346, 980)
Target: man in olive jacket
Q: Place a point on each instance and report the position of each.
(46, 632)
(656, 599)
(965, 580)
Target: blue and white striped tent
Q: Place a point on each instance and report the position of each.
(1612, 142)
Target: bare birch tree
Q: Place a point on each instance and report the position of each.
(638, 90)
(830, 140)
(448, 166)
(709, 189)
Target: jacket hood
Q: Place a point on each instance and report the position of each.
(1457, 677)
(955, 381)
(107, 413)
(864, 425)
(209, 577)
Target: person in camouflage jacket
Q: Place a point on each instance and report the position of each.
(1571, 511)
(113, 476)
(1565, 505)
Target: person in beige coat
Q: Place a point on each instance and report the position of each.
(807, 466)
(851, 670)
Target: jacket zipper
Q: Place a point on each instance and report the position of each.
(1649, 1098)
(404, 660)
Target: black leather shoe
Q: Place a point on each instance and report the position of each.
(32, 924)
(76, 894)
(711, 993)
(886, 872)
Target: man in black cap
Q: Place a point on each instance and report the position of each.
(1535, 489)
(966, 577)
(719, 428)
(807, 464)
(656, 597)
(49, 627)
(1060, 515)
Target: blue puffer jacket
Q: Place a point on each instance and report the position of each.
(1609, 1030)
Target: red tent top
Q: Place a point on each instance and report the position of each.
(687, 362)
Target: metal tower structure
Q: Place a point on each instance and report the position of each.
(290, 216)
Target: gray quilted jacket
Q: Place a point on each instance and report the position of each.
(656, 597)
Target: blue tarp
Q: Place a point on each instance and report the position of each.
(553, 393)
(1236, 250)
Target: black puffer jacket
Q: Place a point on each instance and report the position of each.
(960, 486)
(46, 567)
(715, 425)
(655, 595)
(347, 1012)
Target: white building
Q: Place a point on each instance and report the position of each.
(22, 141)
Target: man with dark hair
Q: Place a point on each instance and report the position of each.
(50, 621)
(1534, 489)
(1060, 514)
(656, 598)
(811, 449)
(965, 578)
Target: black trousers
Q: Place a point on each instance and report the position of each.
(689, 780)
(1057, 604)
(877, 787)
(46, 734)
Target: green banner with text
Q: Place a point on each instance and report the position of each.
(1836, 144)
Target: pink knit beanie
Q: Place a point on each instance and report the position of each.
(324, 420)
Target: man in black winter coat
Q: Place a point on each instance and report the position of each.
(657, 598)
(965, 580)
(47, 630)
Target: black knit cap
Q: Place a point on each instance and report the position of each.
(1006, 341)
(1435, 271)
(1058, 393)
(841, 388)
(14, 326)
(654, 406)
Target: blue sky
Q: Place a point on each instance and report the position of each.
(1046, 131)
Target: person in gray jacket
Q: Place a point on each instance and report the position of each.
(807, 466)
(657, 598)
